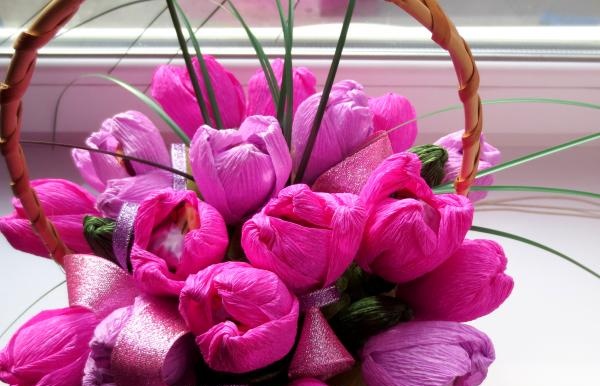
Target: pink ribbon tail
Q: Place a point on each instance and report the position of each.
(350, 175)
(98, 284)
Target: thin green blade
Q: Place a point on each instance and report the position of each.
(533, 243)
(524, 188)
(312, 138)
(148, 102)
(203, 69)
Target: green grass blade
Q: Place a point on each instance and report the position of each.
(535, 244)
(148, 102)
(524, 188)
(29, 307)
(288, 75)
(188, 62)
(533, 156)
(310, 143)
(282, 101)
(260, 53)
(203, 69)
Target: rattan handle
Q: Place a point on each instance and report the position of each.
(18, 77)
(444, 33)
(58, 12)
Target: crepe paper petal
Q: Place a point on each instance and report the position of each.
(391, 110)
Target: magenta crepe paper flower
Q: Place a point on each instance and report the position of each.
(260, 101)
(244, 318)
(346, 125)
(469, 284)
(50, 349)
(390, 111)
(172, 88)
(176, 235)
(237, 171)
(308, 239)
(65, 204)
(97, 370)
(307, 382)
(427, 354)
(489, 156)
(129, 133)
(131, 189)
(409, 230)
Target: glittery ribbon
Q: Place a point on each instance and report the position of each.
(179, 162)
(123, 232)
(319, 354)
(152, 348)
(352, 173)
(97, 284)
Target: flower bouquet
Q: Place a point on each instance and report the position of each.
(294, 237)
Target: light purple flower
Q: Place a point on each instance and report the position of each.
(260, 101)
(427, 354)
(489, 156)
(308, 239)
(244, 318)
(391, 110)
(237, 171)
(469, 284)
(347, 123)
(130, 133)
(172, 88)
(65, 204)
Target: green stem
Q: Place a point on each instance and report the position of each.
(524, 188)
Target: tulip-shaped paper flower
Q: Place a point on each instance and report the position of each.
(390, 111)
(410, 231)
(489, 156)
(308, 239)
(427, 354)
(65, 204)
(176, 235)
(237, 171)
(260, 101)
(470, 284)
(346, 125)
(130, 133)
(244, 318)
(172, 88)
(50, 349)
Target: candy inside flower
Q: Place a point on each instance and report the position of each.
(244, 318)
(176, 235)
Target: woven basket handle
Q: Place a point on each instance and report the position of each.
(58, 12)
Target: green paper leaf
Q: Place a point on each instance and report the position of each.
(203, 69)
(312, 138)
(148, 102)
(533, 243)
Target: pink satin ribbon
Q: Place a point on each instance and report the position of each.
(179, 162)
(352, 173)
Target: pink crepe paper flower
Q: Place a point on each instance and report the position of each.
(237, 171)
(308, 239)
(244, 318)
(65, 204)
(260, 101)
(50, 349)
(390, 111)
(172, 88)
(347, 123)
(409, 230)
(176, 235)
(307, 382)
(469, 284)
(427, 354)
(130, 133)
(489, 156)
(98, 370)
